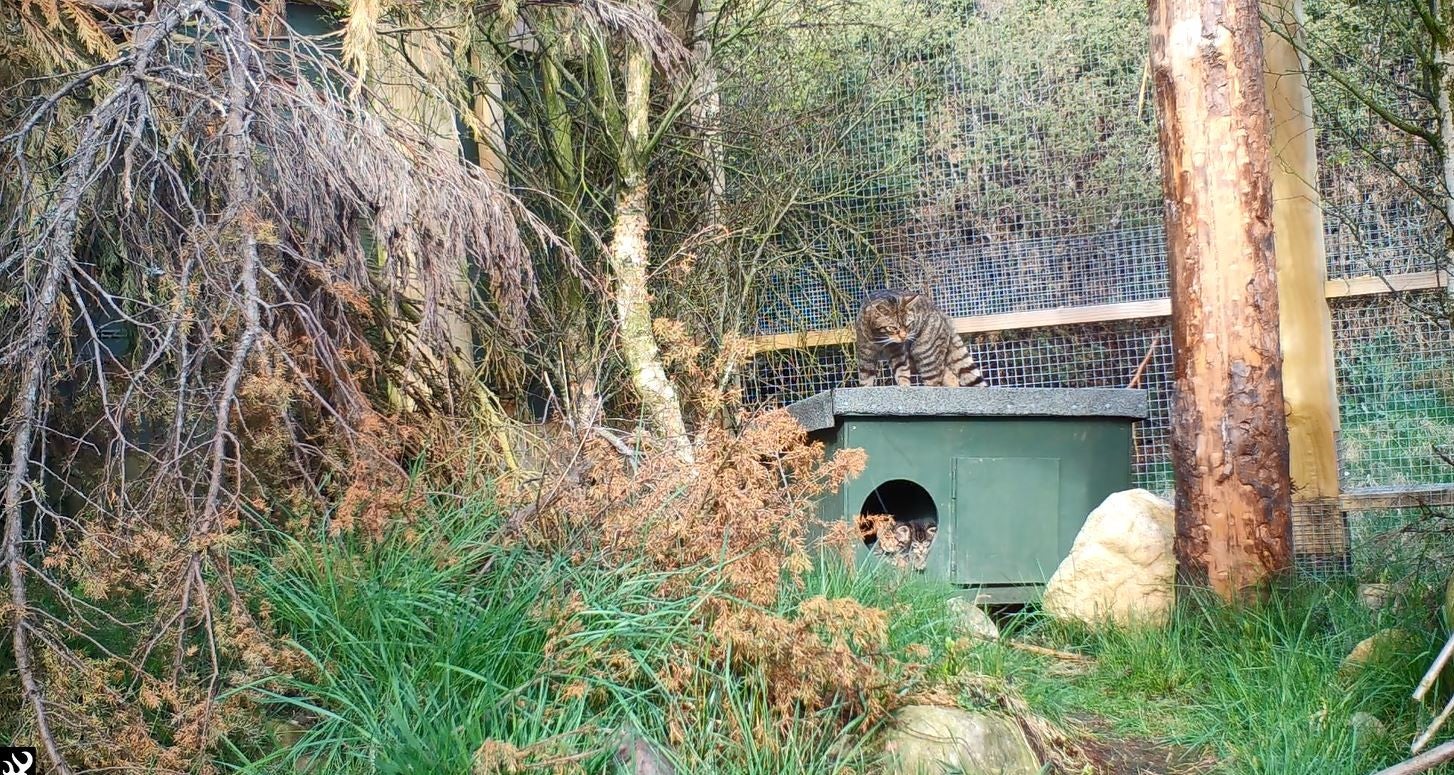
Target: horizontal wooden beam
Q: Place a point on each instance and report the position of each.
(1369, 285)
(1340, 288)
(1064, 316)
(1405, 496)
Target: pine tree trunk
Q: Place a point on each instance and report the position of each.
(1229, 434)
(628, 259)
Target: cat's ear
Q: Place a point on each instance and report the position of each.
(903, 531)
(913, 300)
(931, 531)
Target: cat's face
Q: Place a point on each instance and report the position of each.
(919, 545)
(915, 541)
(891, 318)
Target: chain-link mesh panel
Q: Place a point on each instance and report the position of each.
(997, 162)
(1395, 391)
(1399, 545)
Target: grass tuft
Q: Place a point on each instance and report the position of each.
(440, 650)
(436, 650)
(1258, 688)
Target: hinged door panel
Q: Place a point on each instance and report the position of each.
(1006, 519)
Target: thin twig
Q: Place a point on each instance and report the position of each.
(1047, 652)
(1068, 656)
(1145, 83)
(1146, 361)
(1423, 762)
(1433, 673)
(1433, 727)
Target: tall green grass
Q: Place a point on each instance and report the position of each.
(1256, 688)
(430, 643)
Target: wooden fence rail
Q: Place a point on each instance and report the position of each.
(1342, 288)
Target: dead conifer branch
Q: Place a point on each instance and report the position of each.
(257, 212)
(53, 248)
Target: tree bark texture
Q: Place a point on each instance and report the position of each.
(1229, 436)
(1308, 386)
(580, 349)
(1444, 105)
(411, 76)
(628, 257)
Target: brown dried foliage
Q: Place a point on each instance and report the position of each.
(731, 529)
(286, 258)
(282, 256)
(744, 507)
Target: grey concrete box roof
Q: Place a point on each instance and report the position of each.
(821, 411)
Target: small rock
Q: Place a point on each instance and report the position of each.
(972, 620)
(289, 733)
(1366, 725)
(636, 755)
(1122, 566)
(1374, 596)
(930, 740)
(1377, 648)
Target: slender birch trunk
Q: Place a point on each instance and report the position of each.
(628, 261)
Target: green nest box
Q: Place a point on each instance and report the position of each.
(1008, 475)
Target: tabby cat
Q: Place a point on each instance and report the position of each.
(906, 543)
(915, 538)
(906, 328)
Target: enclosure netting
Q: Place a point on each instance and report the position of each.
(1003, 156)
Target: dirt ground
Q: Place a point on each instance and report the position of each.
(1114, 754)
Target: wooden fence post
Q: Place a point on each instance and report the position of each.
(1229, 433)
(1309, 385)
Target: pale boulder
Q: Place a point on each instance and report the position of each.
(930, 740)
(1122, 566)
(1385, 648)
(971, 620)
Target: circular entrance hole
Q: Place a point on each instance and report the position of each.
(905, 501)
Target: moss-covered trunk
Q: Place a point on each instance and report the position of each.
(628, 258)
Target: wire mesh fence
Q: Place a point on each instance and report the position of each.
(1012, 167)
(1396, 546)
(1396, 392)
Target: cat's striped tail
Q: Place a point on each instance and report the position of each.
(963, 367)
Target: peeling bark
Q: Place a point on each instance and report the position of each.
(1229, 434)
